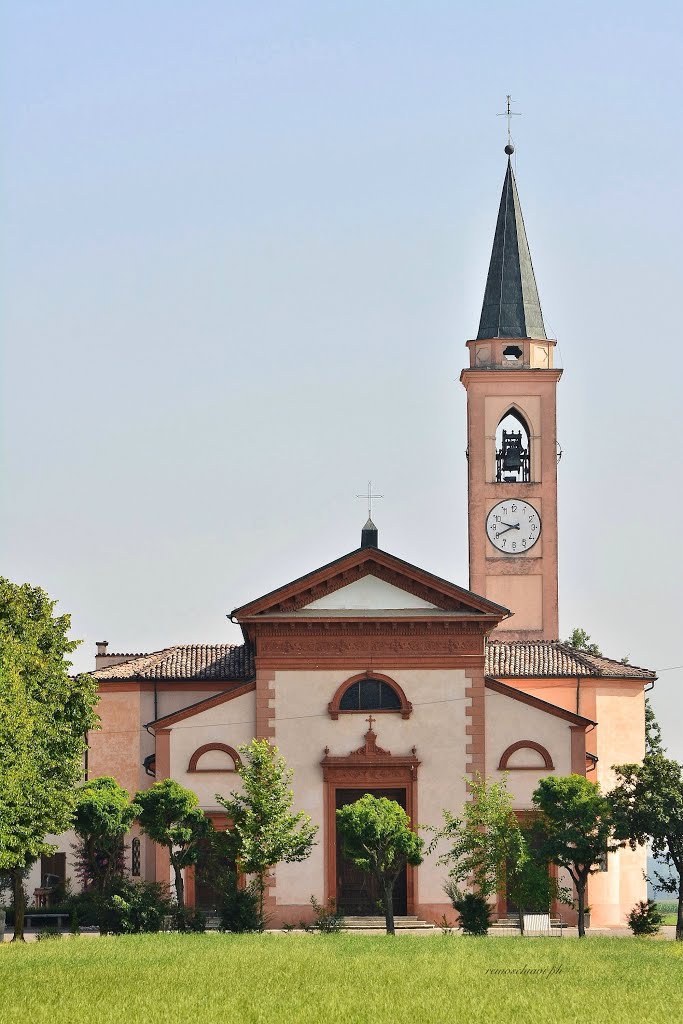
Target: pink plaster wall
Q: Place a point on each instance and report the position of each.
(496, 575)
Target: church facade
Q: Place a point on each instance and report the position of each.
(372, 675)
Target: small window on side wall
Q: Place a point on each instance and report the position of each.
(135, 858)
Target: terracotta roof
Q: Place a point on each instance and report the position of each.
(226, 662)
(519, 658)
(235, 662)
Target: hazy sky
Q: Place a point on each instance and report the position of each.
(242, 248)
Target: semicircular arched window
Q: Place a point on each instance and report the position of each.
(370, 693)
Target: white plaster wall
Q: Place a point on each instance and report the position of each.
(507, 721)
(234, 723)
(436, 728)
(369, 593)
(170, 701)
(64, 844)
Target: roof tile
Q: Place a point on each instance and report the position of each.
(553, 658)
(224, 662)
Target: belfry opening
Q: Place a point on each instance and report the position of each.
(513, 449)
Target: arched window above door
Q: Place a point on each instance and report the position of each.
(369, 692)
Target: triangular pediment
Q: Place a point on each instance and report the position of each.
(369, 581)
(369, 593)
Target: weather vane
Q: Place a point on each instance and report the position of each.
(509, 149)
(369, 498)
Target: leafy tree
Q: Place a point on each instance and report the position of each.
(376, 835)
(648, 806)
(44, 717)
(581, 641)
(171, 816)
(653, 734)
(103, 815)
(578, 829)
(266, 830)
(483, 841)
(529, 883)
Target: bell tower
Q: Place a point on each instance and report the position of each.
(511, 438)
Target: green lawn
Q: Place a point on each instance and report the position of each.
(224, 979)
(670, 911)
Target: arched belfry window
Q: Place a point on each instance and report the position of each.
(369, 692)
(513, 449)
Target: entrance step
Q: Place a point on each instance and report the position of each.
(379, 924)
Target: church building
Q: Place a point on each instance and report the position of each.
(371, 674)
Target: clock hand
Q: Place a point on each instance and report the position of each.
(509, 526)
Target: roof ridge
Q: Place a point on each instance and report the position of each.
(578, 654)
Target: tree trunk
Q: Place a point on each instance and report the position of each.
(679, 919)
(581, 896)
(389, 906)
(261, 900)
(179, 887)
(520, 914)
(102, 906)
(19, 900)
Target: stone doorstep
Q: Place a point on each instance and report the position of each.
(379, 924)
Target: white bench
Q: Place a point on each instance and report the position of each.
(539, 924)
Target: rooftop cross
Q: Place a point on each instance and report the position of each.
(509, 149)
(370, 720)
(369, 496)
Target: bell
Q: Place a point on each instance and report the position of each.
(512, 460)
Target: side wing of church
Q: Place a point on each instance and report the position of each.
(372, 675)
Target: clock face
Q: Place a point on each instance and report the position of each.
(513, 526)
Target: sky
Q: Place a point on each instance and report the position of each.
(242, 249)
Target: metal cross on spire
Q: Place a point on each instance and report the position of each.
(369, 498)
(509, 114)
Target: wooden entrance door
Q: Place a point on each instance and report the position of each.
(357, 892)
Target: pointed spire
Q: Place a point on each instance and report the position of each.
(511, 305)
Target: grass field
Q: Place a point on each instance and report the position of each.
(670, 911)
(280, 979)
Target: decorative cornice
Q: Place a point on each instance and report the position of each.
(380, 645)
(357, 572)
(354, 766)
(361, 562)
(369, 627)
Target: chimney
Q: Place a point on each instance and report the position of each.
(369, 537)
(101, 659)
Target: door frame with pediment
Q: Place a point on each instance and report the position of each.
(370, 767)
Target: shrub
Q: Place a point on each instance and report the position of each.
(83, 909)
(328, 919)
(191, 921)
(239, 909)
(48, 933)
(645, 918)
(137, 907)
(475, 913)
